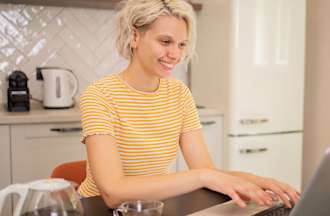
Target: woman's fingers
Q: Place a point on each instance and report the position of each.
(254, 193)
(239, 189)
(282, 195)
(236, 198)
(292, 194)
(285, 192)
(261, 197)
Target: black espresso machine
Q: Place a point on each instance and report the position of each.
(18, 95)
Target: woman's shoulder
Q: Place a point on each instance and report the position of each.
(104, 84)
(175, 83)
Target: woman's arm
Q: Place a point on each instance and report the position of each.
(197, 157)
(106, 167)
(115, 188)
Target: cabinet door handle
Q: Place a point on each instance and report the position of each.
(208, 122)
(66, 130)
(253, 121)
(252, 151)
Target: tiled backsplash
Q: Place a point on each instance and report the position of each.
(75, 38)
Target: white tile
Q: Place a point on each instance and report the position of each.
(15, 17)
(34, 27)
(84, 72)
(17, 7)
(56, 60)
(77, 64)
(106, 48)
(47, 34)
(39, 21)
(21, 60)
(9, 50)
(78, 29)
(111, 64)
(5, 64)
(11, 32)
(78, 47)
(3, 41)
(107, 30)
(52, 12)
(42, 57)
(36, 8)
(84, 17)
(28, 13)
(92, 19)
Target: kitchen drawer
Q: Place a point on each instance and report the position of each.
(276, 156)
(38, 148)
(5, 165)
(48, 130)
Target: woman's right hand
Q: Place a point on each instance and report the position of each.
(236, 188)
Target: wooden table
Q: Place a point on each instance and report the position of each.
(176, 206)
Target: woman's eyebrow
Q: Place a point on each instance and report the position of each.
(170, 37)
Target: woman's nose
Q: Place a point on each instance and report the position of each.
(174, 52)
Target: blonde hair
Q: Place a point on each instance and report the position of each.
(141, 13)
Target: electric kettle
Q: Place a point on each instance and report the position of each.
(44, 197)
(57, 86)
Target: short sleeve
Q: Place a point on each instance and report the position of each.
(96, 113)
(190, 115)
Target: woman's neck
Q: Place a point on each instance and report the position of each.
(140, 80)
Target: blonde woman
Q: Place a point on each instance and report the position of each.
(135, 121)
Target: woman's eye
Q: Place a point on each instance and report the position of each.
(182, 45)
(165, 42)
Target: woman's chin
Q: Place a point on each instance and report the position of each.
(165, 72)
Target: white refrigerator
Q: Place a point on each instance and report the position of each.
(266, 88)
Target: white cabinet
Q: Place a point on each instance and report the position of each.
(38, 148)
(213, 136)
(5, 156)
(276, 156)
(5, 163)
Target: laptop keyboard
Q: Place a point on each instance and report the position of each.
(252, 209)
(275, 211)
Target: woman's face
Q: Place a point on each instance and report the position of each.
(161, 46)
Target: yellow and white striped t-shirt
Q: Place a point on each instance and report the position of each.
(146, 126)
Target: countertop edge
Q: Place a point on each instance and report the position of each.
(40, 115)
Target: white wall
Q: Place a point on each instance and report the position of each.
(317, 85)
(208, 76)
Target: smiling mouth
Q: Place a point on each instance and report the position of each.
(169, 66)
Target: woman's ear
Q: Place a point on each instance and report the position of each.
(135, 39)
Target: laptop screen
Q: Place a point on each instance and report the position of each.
(315, 200)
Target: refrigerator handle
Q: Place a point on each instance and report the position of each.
(253, 151)
(253, 121)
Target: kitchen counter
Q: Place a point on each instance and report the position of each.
(38, 114)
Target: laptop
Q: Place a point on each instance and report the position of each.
(315, 200)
